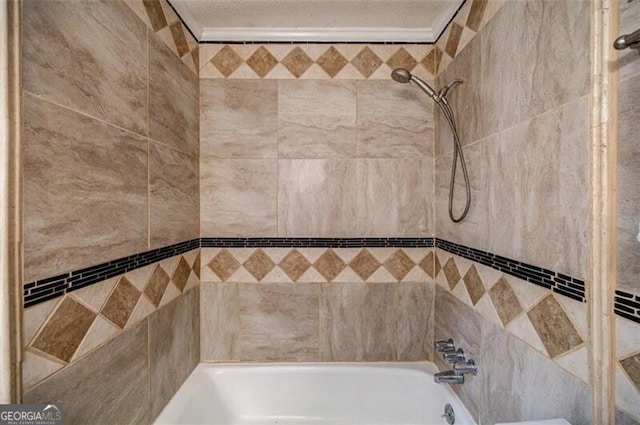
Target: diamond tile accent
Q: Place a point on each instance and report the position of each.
(451, 273)
(259, 264)
(432, 61)
(552, 324)
(366, 62)
(474, 285)
(402, 59)
(364, 264)
(62, 334)
(631, 365)
(329, 265)
(121, 303)
(226, 61)
(196, 265)
(399, 264)
(156, 14)
(181, 275)
(294, 264)
(157, 285)
(332, 61)
(224, 264)
(476, 13)
(430, 264)
(455, 32)
(177, 32)
(505, 301)
(297, 62)
(262, 61)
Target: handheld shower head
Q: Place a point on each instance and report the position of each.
(401, 75)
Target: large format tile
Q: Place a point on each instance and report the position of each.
(537, 65)
(108, 386)
(628, 205)
(394, 120)
(414, 303)
(520, 384)
(238, 197)
(357, 322)
(85, 190)
(219, 321)
(395, 197)
(317, 119)
(90, 56)
(174, 196)
(278, 322)
(173, 99)
(238, 119)
(174, 347)
(539, 174)
(317, 197)
(622, 418)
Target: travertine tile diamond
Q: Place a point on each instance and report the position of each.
(402, 59)
(297, 62)
(432, 61)
(156, 14)
(196, 265)
(61, 336)
(475, 14)
(455, 31)
(154, 290)
(259, 264)
(631, 366)
(332, 61)
(451, 273)
(430, 264)
(294, 264)
(364, 264)
(329, 265)
(505, 301)
(177, 32)
(554, 327)
(474, 285)
(366, 62)
(226, 61)
(181, 274)
(121, 303)
(224, 264)
(399, 264)
(262, 61)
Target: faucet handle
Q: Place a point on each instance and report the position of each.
(466, 367)
(443, 345)
(453, 356)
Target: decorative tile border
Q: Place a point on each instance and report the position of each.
(317, 242)
(627, 305)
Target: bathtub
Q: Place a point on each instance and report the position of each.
(312, 393)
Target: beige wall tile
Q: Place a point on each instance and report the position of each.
(317, 119)
(72, 58)
(414, 340)
(395, 197)
(628, 18)
(219, 321)
(85, 191)
(278, 321)
(394, 120)
(174, 347)
(546, 62)
(317, 198)
(238, 119)
(238, 197)
(173, 196)
(173, 99)
(92, 393)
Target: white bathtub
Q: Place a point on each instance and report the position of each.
(312, 393)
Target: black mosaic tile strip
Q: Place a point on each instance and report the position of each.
(317, 242)
(52, 287)
(627, 305)
(556, 282)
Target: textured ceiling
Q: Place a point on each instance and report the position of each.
(317, 20)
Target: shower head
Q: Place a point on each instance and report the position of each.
(401, 75)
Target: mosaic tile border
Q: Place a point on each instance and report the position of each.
(52, 287)
(627, 305)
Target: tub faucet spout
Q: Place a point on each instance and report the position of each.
(448, 377)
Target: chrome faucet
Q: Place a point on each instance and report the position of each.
(448, 377)
(461, 366)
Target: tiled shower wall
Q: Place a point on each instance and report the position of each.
(110, 148)
(525, 134)
(627, 301)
